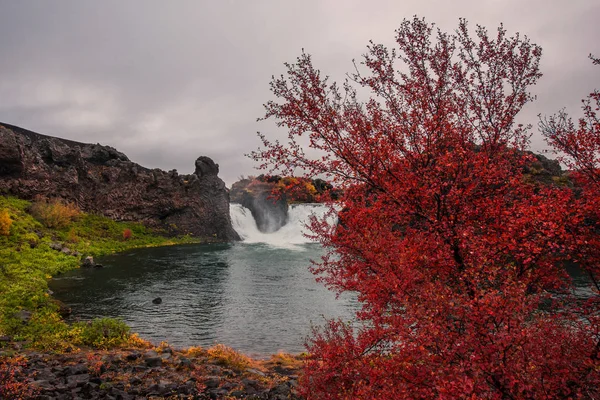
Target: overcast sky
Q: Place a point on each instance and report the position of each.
(167, 81)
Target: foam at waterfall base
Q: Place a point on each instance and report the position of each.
(291, 235)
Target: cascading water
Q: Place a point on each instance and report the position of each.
(290, 235)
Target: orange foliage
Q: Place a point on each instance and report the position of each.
(127, 234)
(11, 382)
(5, 223)
(55, 214)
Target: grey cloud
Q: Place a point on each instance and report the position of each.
(165, 82)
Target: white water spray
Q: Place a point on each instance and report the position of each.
(289, 236)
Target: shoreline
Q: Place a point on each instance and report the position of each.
(46, 357)
(154, 372)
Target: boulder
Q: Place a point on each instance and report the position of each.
(88, 262)
(270, 212)
(24, 316)
(206, 167)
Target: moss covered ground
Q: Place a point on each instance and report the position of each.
(29, 258)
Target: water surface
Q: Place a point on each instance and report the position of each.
(254, 297)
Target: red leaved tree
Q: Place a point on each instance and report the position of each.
(580, 147)
(454, 252)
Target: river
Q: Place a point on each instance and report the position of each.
(256, 296)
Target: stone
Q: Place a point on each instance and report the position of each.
(150, 353)
(157, 300)
(281, 389)
(206, 167)
(133, 356)
(76, 369)
(140, 368)
(24, 315)
(119, 394)
(212, 382)
(89, 387)
(88, 262)
(134, 380)
(249, 382)
(63, 310)
(43, 384)
(56, 246)
(77, 380)
(153, 362)
(184, 362)
(255, 372)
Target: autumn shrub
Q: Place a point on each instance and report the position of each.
(229, 357)
(72, 236)
(195, 351)
(54, 214)
(127, 234)
(457, 258)
(12, 385)
(5, 223)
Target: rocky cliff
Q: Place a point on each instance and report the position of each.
(101, 179)
(270, 211)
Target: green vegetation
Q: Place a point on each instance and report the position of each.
(29, 258)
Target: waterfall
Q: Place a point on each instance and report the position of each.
(289, 236)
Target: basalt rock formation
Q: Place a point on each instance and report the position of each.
(103, 180)
(270, 211)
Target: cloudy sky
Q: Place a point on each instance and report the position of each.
(168, 81)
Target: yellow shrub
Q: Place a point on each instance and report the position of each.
(229, 357)
(31, 238)
(72, 236)
(5, 223)
(55, 214)
(135, 341)
(195, 351)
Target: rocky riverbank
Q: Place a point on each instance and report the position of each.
(155, 373)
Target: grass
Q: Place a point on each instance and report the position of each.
(27, 262)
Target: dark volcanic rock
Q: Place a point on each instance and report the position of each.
(88, 262)
(270, 212)
(77, 376)
(103, 180)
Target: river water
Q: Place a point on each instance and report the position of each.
(257, 296)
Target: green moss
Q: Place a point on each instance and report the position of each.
(103, 333)
(27, 262)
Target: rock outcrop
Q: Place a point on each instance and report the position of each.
(269, 211)
(103, 180)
